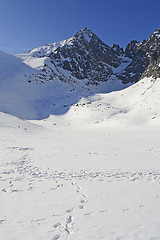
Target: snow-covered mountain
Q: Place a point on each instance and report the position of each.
(83, 163)
(50, 79)
(86, 57)
(145, 58)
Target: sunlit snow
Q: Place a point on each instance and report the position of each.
(78, 164)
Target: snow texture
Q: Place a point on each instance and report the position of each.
(77, 162)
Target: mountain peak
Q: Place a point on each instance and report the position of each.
(84, 33)
(157, 33)
(86, 56)
(85, 30)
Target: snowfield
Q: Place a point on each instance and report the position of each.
(75, 162)
(91, 173)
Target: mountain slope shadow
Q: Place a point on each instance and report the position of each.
(32, 101)
(35, 100)
(48, 80)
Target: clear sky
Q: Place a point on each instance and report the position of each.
(27, 24)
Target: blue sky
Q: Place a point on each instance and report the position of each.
(26, 24)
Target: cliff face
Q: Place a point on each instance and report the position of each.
(145, 59)
(85, 56)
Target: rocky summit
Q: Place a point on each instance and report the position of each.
(86, 57)
(145, 59)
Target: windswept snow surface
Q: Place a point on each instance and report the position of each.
(92, 172)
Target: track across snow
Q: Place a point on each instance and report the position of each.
(66, 181)
(77, 161)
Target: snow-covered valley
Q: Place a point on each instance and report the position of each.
(91, 173)
(80, 157)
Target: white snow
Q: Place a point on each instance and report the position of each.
(48, 48)
(157, 33)
(120, 69)
(80, 164)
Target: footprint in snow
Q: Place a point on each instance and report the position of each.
(56, 237)
(70, 210)
(126, 210)
(81, 207)
(69, 219)
(56, 225)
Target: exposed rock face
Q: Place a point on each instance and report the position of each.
(86, 57)
(145, 59)
(152, 48)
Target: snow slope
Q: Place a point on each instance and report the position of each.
(39, 99)
(89, 172)
(60, 181)
(77, 161)
(136, 105)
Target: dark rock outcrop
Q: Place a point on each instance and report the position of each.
(86, 57)
(145, 59)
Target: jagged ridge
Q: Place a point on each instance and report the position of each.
(86, 56)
